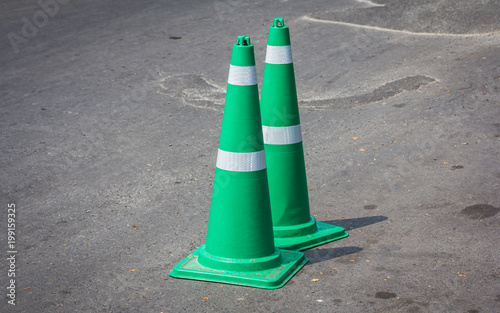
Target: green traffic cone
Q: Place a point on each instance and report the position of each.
(294, 227)
(240, 246)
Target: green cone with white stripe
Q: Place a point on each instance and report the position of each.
(240, 246)
(294, 227)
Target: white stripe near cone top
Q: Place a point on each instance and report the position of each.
(242, 75)
(279, 55)
(241, 161)
(282, 135)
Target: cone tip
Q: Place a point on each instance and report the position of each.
(279, 23)
(243, 40)
(243, 54)
(279, 33)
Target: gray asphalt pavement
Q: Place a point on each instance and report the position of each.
(110, 113)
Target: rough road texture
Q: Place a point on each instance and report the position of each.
(110, 113)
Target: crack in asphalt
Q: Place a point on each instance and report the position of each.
(417, 18)
(383, 92)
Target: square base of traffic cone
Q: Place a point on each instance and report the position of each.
(325, 233)
(274, 278)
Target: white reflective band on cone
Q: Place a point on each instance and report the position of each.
(279, 55)
(241, 162)
(242, 75)
(282, 135)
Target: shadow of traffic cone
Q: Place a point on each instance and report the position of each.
(294, 227)
(240, 246)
